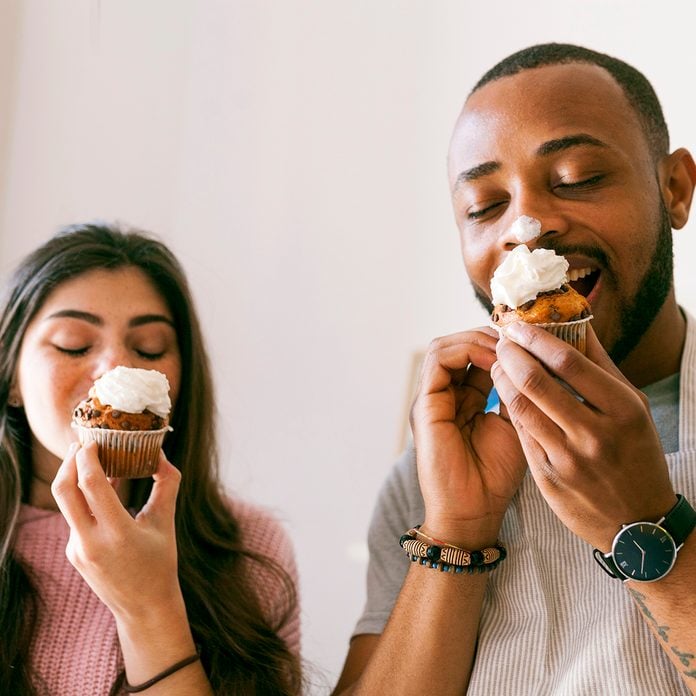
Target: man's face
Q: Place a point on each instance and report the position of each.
(562, 144)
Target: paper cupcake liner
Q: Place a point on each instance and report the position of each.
(572, 332)
(125, 453)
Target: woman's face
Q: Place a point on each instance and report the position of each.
(87, 326)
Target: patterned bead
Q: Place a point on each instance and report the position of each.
(455, 556)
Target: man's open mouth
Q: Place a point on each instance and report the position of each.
(583, 280)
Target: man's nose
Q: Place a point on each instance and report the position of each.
(542, 208)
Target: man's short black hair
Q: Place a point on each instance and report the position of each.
(635, 85)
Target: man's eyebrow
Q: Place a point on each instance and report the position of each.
(551, 146)
(547, 148)
(476, 172)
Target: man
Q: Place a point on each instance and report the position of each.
(577, 140)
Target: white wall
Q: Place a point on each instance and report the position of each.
(293, 155)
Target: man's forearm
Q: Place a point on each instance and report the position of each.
(669, 608)
(431, 635)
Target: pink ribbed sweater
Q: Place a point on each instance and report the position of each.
(75, 650)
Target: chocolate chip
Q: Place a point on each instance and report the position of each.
(116, 414)
(126, 425)
(96, 413)
(555, 316)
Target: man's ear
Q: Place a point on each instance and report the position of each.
(677, 181)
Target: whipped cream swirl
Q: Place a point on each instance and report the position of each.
(525, 228)
(134, 390)
(524, 274)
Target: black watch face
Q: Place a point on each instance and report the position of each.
(644, 552)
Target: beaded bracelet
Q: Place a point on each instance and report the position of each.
(447, 557)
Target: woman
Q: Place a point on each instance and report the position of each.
(168, 582)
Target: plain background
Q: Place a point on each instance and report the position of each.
(293, 156)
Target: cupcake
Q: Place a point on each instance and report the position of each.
(127, 414)
(532, 286)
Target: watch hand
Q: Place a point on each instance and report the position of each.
(639, 547)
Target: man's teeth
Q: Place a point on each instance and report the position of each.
(578, 273)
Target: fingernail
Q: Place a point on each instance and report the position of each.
(517, 331)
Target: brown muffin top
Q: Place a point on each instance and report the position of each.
(91, 413)
(552, 307)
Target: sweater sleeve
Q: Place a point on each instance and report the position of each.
(263, 534)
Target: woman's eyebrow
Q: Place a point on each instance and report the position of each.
(149, 319)
(76, 314)
(90, 318)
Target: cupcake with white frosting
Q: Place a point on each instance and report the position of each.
(532, 286)
(127, 414)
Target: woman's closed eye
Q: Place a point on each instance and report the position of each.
(149, 355)
(83, 350)
(75, 352)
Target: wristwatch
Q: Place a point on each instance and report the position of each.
(646, 551)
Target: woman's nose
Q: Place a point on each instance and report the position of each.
(111, 358)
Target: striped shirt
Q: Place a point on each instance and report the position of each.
(552, 622)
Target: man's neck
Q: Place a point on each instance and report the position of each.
(659, 352)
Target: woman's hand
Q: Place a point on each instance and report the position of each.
(470, 463)
(130, 563)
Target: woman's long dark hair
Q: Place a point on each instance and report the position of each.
(241, 650)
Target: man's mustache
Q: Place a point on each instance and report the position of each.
(592, 252)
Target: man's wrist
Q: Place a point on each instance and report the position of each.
(472, 534)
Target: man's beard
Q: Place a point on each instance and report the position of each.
(637, 314)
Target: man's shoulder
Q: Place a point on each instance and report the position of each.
(402, 479)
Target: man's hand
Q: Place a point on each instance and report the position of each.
(594, 453)
(470, 463)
